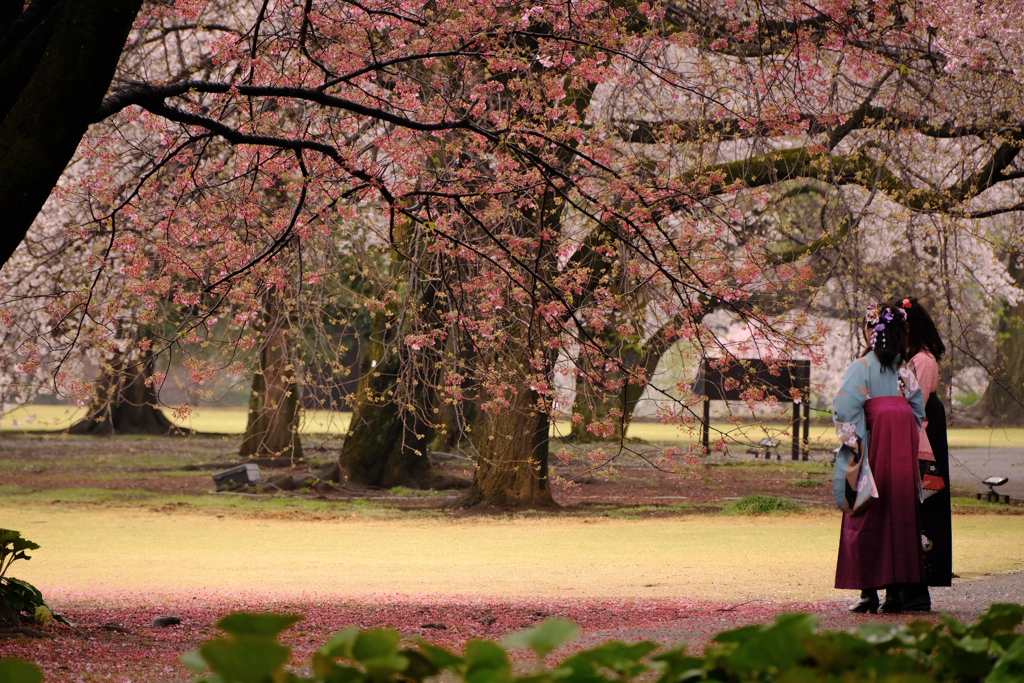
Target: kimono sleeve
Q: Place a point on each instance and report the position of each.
(848, 407)
(851, 428)
(912, 392)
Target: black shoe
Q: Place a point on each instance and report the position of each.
(916, 598)
(917, 606)
(868, 602)
(893, 603)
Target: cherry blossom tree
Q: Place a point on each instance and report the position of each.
(571, 179)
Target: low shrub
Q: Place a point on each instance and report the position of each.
(788, 651)
(762, 505)
(20, 599)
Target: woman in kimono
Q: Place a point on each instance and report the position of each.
(926, 349)
(878, 414)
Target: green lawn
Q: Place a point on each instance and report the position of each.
(209, 420)
(131, 550)
(232, 421)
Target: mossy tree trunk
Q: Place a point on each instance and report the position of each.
(275, 400)
(456, 416)
(1003, 400)
(126, 402)
(512, 441)
(388, 441)
(393, 419)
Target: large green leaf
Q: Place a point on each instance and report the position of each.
(1000, 617)
(341, 643)
(678, 667)
(969, 658)
(779, 646)
(544, 637)
(246, 659)
(440, 657)
(622, 658)
(891, 664)
(14, 670)
(418, 666)
(837, 652)
(265, 625)
(486, 662)
(11, 543)
(882, 635)
(329, 672)
(376, 644)
(1010, 666)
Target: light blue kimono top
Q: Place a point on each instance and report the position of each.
(866, 378)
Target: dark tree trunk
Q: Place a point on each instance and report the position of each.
(389, 436)
(274, 403)
(126, 404)
(455, 423)
(1003, 400)
(56, 64)
(387, 446)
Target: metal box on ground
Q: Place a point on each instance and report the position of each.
(243, 474)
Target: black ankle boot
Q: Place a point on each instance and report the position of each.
(868, 602)
(893, 601)
(916, 598)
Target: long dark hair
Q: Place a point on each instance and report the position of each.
(889, 341)
(923, 334)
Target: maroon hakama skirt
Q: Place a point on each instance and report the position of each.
(882, 546)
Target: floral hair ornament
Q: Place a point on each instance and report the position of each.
(906, 303)
(878, 320)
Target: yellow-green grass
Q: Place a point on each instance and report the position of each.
(211, 420)
(781, 559)
(232, 421)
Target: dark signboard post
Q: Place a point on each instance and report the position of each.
(744, 374)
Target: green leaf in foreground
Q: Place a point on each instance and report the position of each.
(544, 637)
(245, 660)
(14, 670)
(265, 625)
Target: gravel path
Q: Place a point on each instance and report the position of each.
(967, 467)
(965, 600)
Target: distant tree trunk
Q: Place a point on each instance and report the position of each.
(1002, 401)
(457, 416)
(125, 403)
(455, 424)
(274, 403)
(596, 406)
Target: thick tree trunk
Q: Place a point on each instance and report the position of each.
(126, 404)
(274, 404)
(512, 466)
(1003, 400)
(56, 64)
(387, 446)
